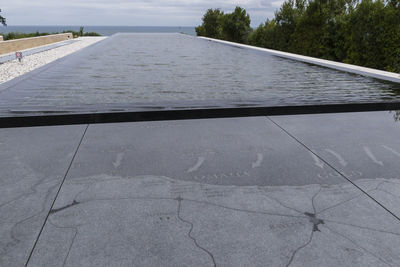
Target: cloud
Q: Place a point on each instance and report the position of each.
(277, 4)
(127, 12)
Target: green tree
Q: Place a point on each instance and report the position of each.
(236, 26)
(361, 32)
(211, 24)
(365, 33)
(287, 18)
(265, 35)
(3, 20)
(319, 31)
(391, 36)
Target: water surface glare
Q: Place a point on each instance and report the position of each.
(165, 70)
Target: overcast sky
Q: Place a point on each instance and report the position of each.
(127, 12)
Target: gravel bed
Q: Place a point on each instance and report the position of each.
(13, 69)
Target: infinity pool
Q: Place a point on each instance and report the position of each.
(157, 71)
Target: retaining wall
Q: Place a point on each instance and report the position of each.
(26, 43)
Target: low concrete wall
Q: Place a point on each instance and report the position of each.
(379, 74)
(26, 43)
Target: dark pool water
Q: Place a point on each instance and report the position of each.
(166, 70)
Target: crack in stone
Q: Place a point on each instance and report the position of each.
(73, 239)
(362, 227)
(354, 243)
(313, 198)
(283, 205)
(65, 207)
(186, 199)
(237, 209)
(244, 210)
(315, 221)
(387, 192)
(180, 199)
(15, 240)
(300, 248)
(340, 203)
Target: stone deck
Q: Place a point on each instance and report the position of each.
(309, 190)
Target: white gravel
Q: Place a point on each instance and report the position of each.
(13, 69)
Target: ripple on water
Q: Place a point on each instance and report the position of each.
(157, 68)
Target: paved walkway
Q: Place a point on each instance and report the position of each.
(303, 190)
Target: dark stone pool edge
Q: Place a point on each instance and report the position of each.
(187, 114)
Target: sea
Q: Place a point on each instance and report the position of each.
(102, 30)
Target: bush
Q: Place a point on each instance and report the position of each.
(20, 35)
(233, 27)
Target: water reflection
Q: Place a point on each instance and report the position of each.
(129, 71)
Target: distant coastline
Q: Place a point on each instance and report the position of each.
(103, 30)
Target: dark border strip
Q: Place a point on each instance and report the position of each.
(186, 114)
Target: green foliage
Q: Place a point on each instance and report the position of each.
(364, 32)
(18, 35)
(3, 20)
(235, 27)
(232, 27)
(91, 34)
(211, 24)
(265, 35)
(360, 32)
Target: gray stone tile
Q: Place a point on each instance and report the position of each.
(198, 193)
(364, 146)
(33, 162)
(106, 220)
(235, 151)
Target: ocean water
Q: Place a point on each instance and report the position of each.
(142, 71)
(103, 30)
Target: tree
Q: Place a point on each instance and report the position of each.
(366, 32)
(391, 36)
(319, 30)
(233, 27)
(265, 35)
(211, 24)
(3, 20)
(287, 19)
(236, 26)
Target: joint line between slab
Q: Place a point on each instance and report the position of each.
(58, 192)
(336, 170)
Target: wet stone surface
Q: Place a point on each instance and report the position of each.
(364, 147)
(33, 163)
(130, 200)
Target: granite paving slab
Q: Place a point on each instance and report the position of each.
(221, 192)
(33, 162)
(364, 146)
(234, 151)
